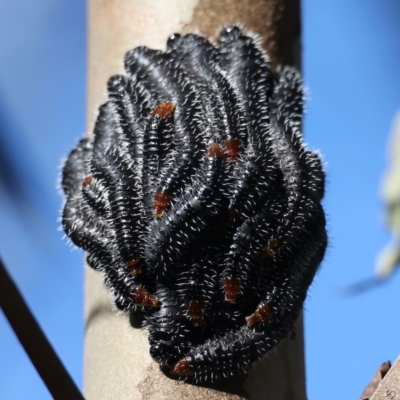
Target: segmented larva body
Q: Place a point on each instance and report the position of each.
(198, 200)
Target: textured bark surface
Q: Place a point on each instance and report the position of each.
(277, 22)
(375, 381)
(117, 360)
(389, 387)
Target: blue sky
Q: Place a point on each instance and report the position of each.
(351, 59)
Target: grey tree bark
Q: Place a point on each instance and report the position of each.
(117, 360)
(389, 387)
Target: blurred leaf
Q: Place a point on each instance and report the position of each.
(389, 258)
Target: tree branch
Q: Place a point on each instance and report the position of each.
(33, 340)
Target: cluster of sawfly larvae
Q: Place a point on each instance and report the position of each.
(199, 202)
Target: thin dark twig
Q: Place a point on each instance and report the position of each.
(359, 287)
(44, 358)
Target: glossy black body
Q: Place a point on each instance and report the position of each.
(224, 210)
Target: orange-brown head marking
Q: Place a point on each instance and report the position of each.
(181, 368)
(133, 264)
(270, 250)
(195, 309)
(263, 313)
(87, 181)
(143, 298)
(215, 150)
(162, 200)
(273, 247)
(231, 148)
(233, 213)
(231, 289)
(164, 110)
